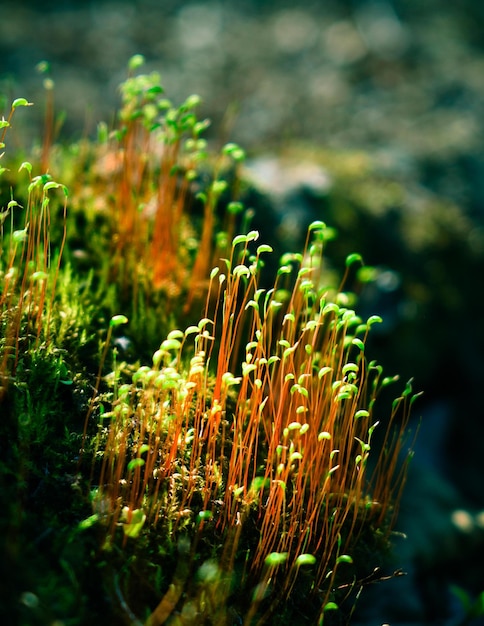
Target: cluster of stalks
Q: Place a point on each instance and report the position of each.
(259, 420)
(29, 267)
(151, 170)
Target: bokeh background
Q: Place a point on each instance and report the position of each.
(368, 115)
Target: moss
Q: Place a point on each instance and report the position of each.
(236, 464)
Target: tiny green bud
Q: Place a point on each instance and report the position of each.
(117, 320)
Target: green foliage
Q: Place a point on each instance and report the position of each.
(241, 461)
(473, 607)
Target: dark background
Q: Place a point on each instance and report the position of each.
(310, 85)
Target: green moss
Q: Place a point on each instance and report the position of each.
(236, 464)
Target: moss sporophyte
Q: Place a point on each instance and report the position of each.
(250, 457)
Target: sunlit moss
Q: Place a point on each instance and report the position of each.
(218, 427)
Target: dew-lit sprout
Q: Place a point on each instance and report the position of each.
(51, 185)
(275, 304)
(21, 102)
(136, 61)
(344, 558)
(238, 239)
(297, 388)
(118, 320)
(191, 330)
(306, 285)
(247, 369)
(362, 413)
(134, 463)
(134, 521)
(39, 276)
(264, 248)
(218, 187)
(346, 392)
(175, 334)
(197, 364)
(415, 397)
(192, 102)
(124, 391)
(190, 145)
(316, 225)
(203, 322)
(358, 343)
(305, 559)
(200, 127)
(214, 272)
(365, 447)
(289, 317)
(204, 516)
(374, 319)
(234, 151)
(350, 317)
(167, 379)
(252, 304)
(258, 483)
(157, 357)
(329, 308)
(284, 269)
(274, 559)
(253, 235)
(19, 236)
(350, 367)
(351, 259)
(324, 371)
(330, 606)
(373, 365)
(169, 345)
(273, 359)
(234, 208)
(408, 388)
(303, 378)
(251, 345)
(388, 380)
(241, 270)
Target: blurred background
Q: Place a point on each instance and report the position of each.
(368, 115)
